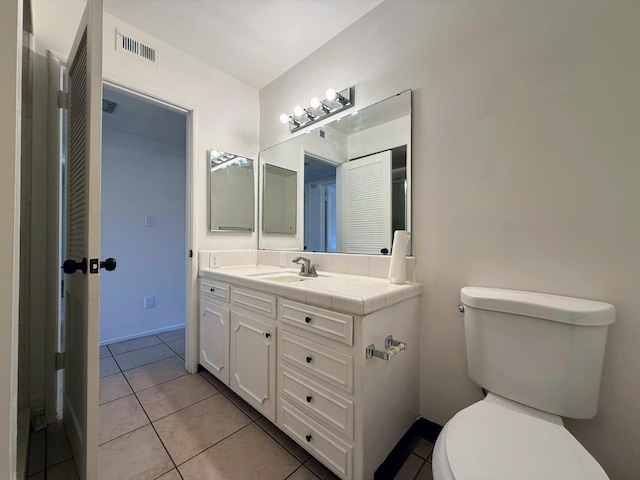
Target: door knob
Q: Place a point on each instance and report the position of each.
(308, 437)
(267, 335)
(71, 266)
(109, 264)
(308, 359)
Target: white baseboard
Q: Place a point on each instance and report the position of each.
(140, 334)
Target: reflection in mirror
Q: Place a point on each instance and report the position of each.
(231, 192)
(280, 200)
(355, 178)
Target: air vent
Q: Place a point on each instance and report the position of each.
(136, 48)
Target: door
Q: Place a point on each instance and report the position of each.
(82, 240)
(253, 362)
(214, 340)
(365, 204)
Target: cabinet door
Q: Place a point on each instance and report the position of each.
(214, 340)
(253, 362)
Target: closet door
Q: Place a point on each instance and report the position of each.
(82, 286)
(365, 204)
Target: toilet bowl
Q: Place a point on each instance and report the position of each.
(497, 439)
(540, 356)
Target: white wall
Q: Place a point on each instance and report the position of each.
(525, 170)
(10, 96)
(142, 174)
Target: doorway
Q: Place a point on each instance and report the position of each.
(320, 223)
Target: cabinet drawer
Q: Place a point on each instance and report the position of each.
(326, 363)
(326, 447)
(329, 408)
(214, 289)
(336, 326)
(258, 302)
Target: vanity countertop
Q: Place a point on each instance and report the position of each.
(345, 293)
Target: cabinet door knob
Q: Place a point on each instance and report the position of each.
(212, 289)
(267, 335)
(309, 398)
(308, 359)
(308, 437)
(307, 319)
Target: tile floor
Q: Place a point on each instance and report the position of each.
(159, 422)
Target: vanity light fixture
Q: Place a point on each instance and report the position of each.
(335, 102)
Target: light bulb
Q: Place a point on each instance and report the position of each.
(331, 94)
(284, 118)
(298, 111)
(215, 153)
(315, 102)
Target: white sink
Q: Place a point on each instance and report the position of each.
(285, 277)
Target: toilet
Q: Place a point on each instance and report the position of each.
(539, 357)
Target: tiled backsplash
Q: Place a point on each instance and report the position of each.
(364, 265)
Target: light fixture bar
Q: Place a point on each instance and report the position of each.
(335, 102)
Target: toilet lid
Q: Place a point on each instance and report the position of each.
(489, 441)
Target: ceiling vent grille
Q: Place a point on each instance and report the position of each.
(136, 48)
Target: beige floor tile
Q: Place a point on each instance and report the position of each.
(283, 439)
(247, 454)
(410, 468)
(177, 345)
(108, 366)
(37, 452)
(155, 373)
(171, 335)
(63, 471)
(242, 405)
(104, 352)
(320, 470)
(143, 356)
(302, 473)
(138, 455)
(113, 387)
(133, 344)
(214, 381)
(174, 395)
(58, 448)
(423, 448)
(172, 475)
(193, 429)
(119, 417)
(426, 473)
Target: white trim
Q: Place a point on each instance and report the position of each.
(139, 335)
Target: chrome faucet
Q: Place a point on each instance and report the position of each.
(306, 268)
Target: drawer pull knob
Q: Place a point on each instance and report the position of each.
(309, 398)
(267, 335)
(309, 359)
(212, 289)
(308, 437)
(307, 319)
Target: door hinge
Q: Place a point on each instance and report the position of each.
(61, 360)
(63, 100)
(190, 253)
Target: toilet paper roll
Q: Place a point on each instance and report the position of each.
(398, 267)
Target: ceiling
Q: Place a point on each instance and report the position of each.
(254, 41)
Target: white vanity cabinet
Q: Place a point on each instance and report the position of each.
(253, 349)
(304, 368)
(215, 316)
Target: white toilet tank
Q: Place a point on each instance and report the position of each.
(544, 351)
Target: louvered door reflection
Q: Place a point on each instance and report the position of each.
(365, 203)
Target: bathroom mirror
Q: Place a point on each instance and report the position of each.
(231, 192)
(353, 182)
(280, 194)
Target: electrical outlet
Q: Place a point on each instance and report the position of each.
(214, 260)
(149, 302)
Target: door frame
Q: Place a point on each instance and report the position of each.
(191, 270)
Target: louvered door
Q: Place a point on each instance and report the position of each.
(83, 240)
(365, 204)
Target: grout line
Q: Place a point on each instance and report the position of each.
(299, 467)
(221, 440)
